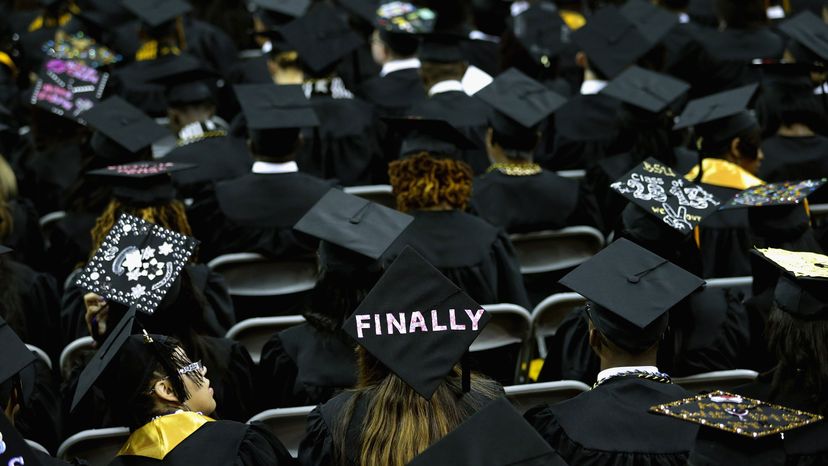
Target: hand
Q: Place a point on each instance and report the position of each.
(97, 311)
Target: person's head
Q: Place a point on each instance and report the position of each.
(276, 145)
(168, 34)
(652, 233)
(181, 115)
(783, 105)
(425, 182)
(284, 66)
(742, 149)
(170, 215)
(674, 5)
(643, 352)
(741, 14)
(387, 46)
(432, 73)
(504, 148)
(647, 134)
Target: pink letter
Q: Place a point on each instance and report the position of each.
(360, 323)
(453, 321)
(435, 326)
(377, 328)
(475, 318)
(417, 321)
(394, 323)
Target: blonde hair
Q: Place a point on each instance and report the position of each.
(422, 182)
(8, 191)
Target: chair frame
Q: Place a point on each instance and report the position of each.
(515, 391)
(278, 323)
(372, 191)
(738, 375)
(73, 347)
(251, 257)
(729, 282)
(90, 435)
(41, 355)
(525, 340)
(568, 232)
(280, 413)
(537, 312)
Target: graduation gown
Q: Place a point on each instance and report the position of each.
(393, 94)
(26, 238)
(216, 159)
(206, 443)
(40, 419)
(794, 158)
(70, 243)
(585, 131)
(256, 213)
(726, 56)
(611, 425)
(39, 302)
(303, 366)
(45, 176)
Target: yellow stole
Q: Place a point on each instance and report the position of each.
(718, 172)
(161, 435)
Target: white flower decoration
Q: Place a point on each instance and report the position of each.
(148, 253)
(138, 291)
(132, 260)
(165, 249)
(133, 274)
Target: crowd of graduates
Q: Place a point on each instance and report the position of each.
(142, 139)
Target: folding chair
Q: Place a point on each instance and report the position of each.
(548, 315)
(379, 193)
(41, 354)
(36, 446)
(500, 349)
(250, 274)
(73, 352)
(554, 250)
(716, 380)
(524, 397)
(48, 221)
(253, 333)
(97, 446)
(572, 174)
(287, 424)
(743, 284)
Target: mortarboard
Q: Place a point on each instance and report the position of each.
(808, 30)
(662, 192)
(611, 41)
(141, 183)
(354, 223)
(123, 126)
(68, 88)
(630, 290)
(441, 47)
(496, 435)
(519, 101)
(272, 106)
(14, 450)
(291, 8)
(187, 80)
(14, 358)
(417, 322)
(137, 263)
(803, 289)
(364, 9)
(786, 193)
(321, 38)
(400, 25)
(154, 13)
(646, 89)
(81, 48)
(541, 31)
(720, 116)
(437, 137)
(652, 22)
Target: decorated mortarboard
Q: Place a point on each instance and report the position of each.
(354, 223)
(14, 450)
(646, 89)
(803, 289)
(481, 439)
(417, 322)
(291, 8)
(68, 88)
(14, 358)
(662, 192)
(141, 183)
(187, 80)
(321, 37)
(124, 124)
(652, 21)
(717, 107)
(519, 101)
(81, 48)
(437, 137)
(405, 18)
(810, 31)
(137, 263)
(630, 290)
(736, 414)
(271, 106)
(541, 31)
(611, 41)
(154, 13)
(775, 194)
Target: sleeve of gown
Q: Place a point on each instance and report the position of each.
(238, 401)
(586, 211)
(277, 376)
(542, 420)
(42, 299)
(72, 312)
(316, 448)
(208, 224)
(40, 420)
(217, 294)
(260, 447)
(510, 288)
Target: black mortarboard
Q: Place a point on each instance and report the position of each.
(720, 116)
(141, 183)
(441, 47)
(291, 8)
(400, 25)
(786, 193)
(437, 137)
(137, 263)
(272, 106)
(68, 88)
(803, 289)
(496, 435)
(808, 30)
(646, 89)
(187, 80)
(662, 192)
(520, 104)
(611, 41)
(541, 31)
(14, 448)
(651, 21)
(14, 358)
(122, 125)
(321, 38)
(354, 223)
(630, 290)
(416, 322)
(154, 13)
(364, 9)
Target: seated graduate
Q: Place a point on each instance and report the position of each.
(436, 189)
(728, 139)
(19, 228)
(309, 363)
(630, 291)
(516, 194)
(256, 212)
(165, 397)
(803, 46)
(411, 391)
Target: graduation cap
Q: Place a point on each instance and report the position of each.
(662, 192)
(141, 183)
(417, 323)
(400, 25)
(437, 137)
(720, 116)
(289, 8)
(321, 38)
(363, 9)
(187, 80)
(137, 263)
(442, 47)
(541, 31)
(810, 31)
(611, 41)
(272, 106)
(787, 193)
(155, 13)
(630, 290)
(496, 435)
(803, 289)
(651, 21)
(354, 223)
(81, 48)
(68, 88)
(15, 358)
(14, 450)
(646, 89)
(121, 128)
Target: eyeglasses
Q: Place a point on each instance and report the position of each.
(196, 366)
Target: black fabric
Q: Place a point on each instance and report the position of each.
(215, 159)
(392, 94)
(69, 244)
(46, 175)
(585, 132)
(39, 300)
(725, 239)
(794, 158)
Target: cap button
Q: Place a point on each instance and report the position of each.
(633, 279)
(124, 122)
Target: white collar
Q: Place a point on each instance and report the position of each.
(480, 35)
(267, 168)
(446, 86)
(399, 65)
(613, 371)
(592, 86)
(475, 79)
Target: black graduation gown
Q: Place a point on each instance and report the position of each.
(393, 94)
(585, 132)
(25, 238)
(476, 256)
(40, 419)
(211, 44)
(70, 242)
(256, 213)
(221, 443)
(726, 56)
(46, 176)
(39, 302)
(759, 307)
(483, 54)
(794, 158)
(303, 366)
(465, 113)
(46, 460)
(611, 425)
(216, 159)
(521, 204)
(725, 239)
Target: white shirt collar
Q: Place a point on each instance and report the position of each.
(399, 65)
(446, 86)
(480, 35)
(272, 168)
(613, 371)
(592, 86)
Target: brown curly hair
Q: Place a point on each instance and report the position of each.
(423, 182)
(171, 216)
